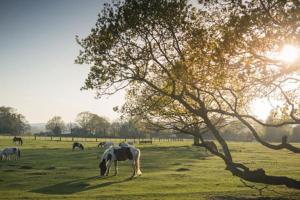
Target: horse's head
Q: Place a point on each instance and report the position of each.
(102, 167)
(107, 156)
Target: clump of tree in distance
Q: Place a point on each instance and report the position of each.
(56, 125)
(12, 122)
(204, 64)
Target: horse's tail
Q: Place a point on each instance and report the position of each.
(21, 141)
(138, 163)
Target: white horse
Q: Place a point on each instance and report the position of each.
(105, 145)
(115, 154)
(8, 152)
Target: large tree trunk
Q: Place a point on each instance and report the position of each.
(259, 176)
(240, 170)
(196, 140)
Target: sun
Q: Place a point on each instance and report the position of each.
(261, 108)
(289, 53)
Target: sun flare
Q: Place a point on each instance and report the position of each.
(289, 53)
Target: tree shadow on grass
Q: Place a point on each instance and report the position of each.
(246, 198)
(75, 186)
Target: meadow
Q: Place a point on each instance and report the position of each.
(171, 170)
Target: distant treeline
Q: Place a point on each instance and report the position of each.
(92, 125)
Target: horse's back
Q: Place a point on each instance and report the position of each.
(10, 150)
(123, 153)
(78, 145)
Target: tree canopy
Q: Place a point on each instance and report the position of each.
(56, 125)
(209, 59)
(12, 122)
(92, 123)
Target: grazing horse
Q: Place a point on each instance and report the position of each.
(115, 154)
(18, 140)
(105, 145)
(8, 152)
(77, 145)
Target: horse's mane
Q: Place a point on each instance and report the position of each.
(105, 153)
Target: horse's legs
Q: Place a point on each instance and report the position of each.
(116, 167)
(108, 167)
(137, 168)
(133, 164)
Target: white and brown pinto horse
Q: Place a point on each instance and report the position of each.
(115, 154)
(7, 153)
(77, 145)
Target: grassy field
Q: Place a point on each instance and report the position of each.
(176, 170)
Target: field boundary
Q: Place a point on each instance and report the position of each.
(95, 139)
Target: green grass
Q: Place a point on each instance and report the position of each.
(176, 170)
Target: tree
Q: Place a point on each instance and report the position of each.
(236, 131)
(12, 122)
(71, 126)
(210, 62)
(56, 125)
(296, 134)
(164, 115)
(115, 128)
(99, 125)
(83, 119)
(275, 134)
(92, 123)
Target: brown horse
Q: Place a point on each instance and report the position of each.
(18, 140)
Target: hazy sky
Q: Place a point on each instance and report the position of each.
(38, 76)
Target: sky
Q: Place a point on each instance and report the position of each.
(38, 76)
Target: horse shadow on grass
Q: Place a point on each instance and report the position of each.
(75, 186)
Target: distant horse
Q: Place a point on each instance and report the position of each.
(125, 144)
(8, 152)
(115, 154)
(18, 140)
(77, 145)
(105, 145)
